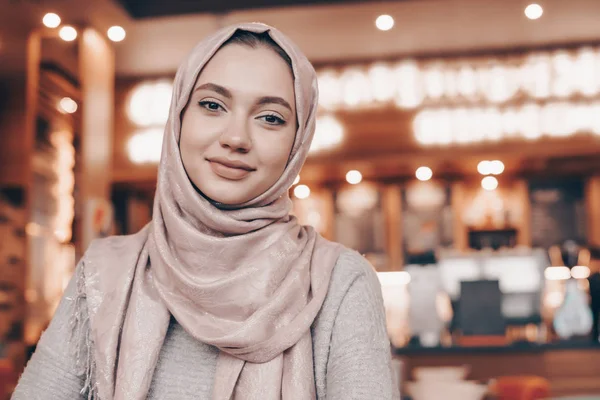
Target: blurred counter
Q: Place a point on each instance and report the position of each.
(511, 348)
(572, 367)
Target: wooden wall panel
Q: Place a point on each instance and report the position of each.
(13, 144)
(592, 194)
(97, 66)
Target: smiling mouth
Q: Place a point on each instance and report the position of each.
(230, 170)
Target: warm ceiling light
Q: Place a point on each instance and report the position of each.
(297, 180)
(489, 183)
(67, 105)
(302, 191)
(484, 167)
(384, 22)
(496, 167)
(534, 11)
(580, 272)
(328, 134)
(424, 173)
(557, 273)
(353, 177)
(67, 33)
(116, 33)
(144, 147)
(51, 20)
(148, 104)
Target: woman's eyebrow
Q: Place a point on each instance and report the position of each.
(274, 100)
(226, 93)
(215, 88)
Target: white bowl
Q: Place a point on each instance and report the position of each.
(441, 374)
(446, 390)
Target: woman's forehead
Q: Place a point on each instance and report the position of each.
(240, 64)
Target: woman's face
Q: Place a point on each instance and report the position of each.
(239, 126)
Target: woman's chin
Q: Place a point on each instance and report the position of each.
(228, 197)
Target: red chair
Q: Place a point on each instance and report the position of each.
(521, 388)
(8, 379)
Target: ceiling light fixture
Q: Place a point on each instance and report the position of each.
(489, 183)
(534, 11)
(67, 33)
(424, 173)
(51, 20)
(67, 105)
(302, 191)
(353, 177)
(116, 33)
(384, 22)
(495, 167)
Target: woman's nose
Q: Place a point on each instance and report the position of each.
(236, 136)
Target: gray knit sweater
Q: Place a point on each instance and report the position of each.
(350, 347)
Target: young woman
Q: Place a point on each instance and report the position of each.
(223, 295)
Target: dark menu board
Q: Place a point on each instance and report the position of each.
(557, 212)
(480, 308)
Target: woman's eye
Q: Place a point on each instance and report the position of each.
(210, 105)
(272, 119)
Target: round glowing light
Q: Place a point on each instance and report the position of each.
(489, 183)
(149, 102)
(51, 20)
(424, 173)
(302, 191)
(116, 33)
(328, 134)
(580, 272)
(67, 33)
(484, 167)
(67, 105)
(557, 273)
(384, 22)
(496, 167)
(297, 180)
(145, 146)
(534, 11)
(353, 177)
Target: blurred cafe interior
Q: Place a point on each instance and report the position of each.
(457, 148)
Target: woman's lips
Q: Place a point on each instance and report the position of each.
(229, 172)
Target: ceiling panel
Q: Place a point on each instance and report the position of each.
(340, 33)
(161, 8)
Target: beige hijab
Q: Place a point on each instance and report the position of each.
(249, 280)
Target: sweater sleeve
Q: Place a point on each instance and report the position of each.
(359, 365)
(52, 372)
